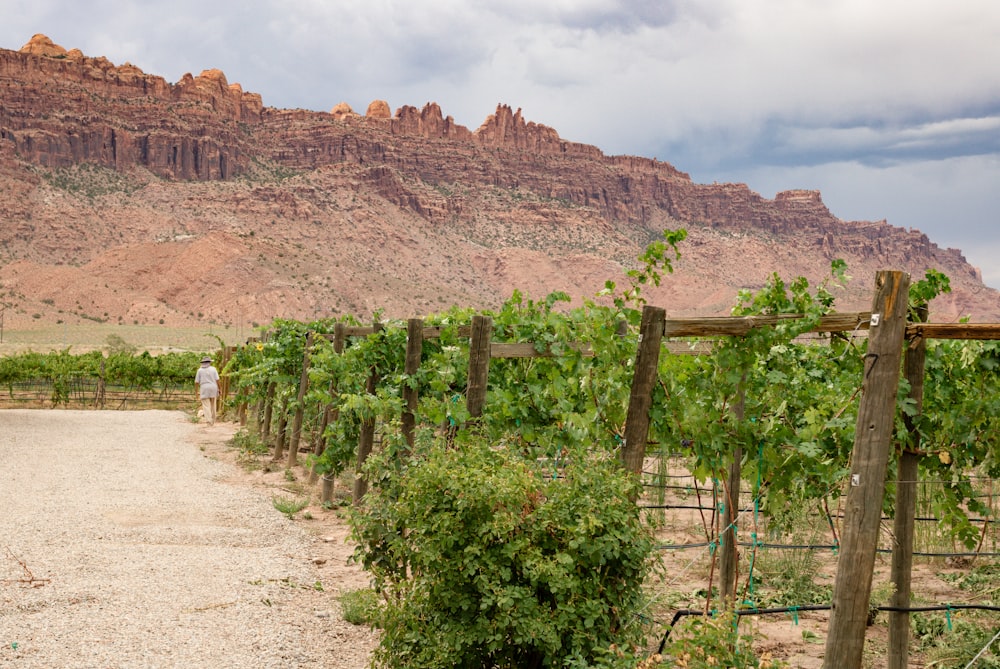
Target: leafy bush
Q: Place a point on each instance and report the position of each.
(289, 507)
(955, 644)
(715, 641)
(251, 448)
(502, 566)
(361, 607)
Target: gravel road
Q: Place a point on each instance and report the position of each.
(123, 543)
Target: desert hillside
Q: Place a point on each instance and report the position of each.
(126, 198)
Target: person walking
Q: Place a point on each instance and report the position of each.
(206, 382)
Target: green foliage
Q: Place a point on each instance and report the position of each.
(702, 642)
(91, 180)
(983, 579)
(788, 578)
(923, 291)
(120, 368)
(251, 448)
(798, 423)
(289, 507)
(799, 406)
(952, 641)
(117, 344)
(502, 565)
(959, 425)
(655, 260)
(361, 607)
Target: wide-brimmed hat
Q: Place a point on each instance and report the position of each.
(206, 359)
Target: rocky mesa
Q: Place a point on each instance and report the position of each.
(127, 198)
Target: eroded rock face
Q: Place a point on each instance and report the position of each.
(378, 109)
(412, 208)
(62, 108)
(41, 45)
(342, 109)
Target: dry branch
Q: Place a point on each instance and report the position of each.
(28, 579)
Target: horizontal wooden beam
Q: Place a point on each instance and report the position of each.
(972, 331)
(735, 326)
(528, 350)
(429, 332)
(732, 326)
(696, 347)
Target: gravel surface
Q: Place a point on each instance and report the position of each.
(125, 543)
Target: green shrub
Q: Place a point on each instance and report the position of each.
(289, 507)
(361, 607)
(251, 448)
(702, 642)
(502, 566)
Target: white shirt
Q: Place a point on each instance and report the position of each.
(207, 379)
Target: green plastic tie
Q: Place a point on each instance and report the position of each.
(794, 610)
(947, 615)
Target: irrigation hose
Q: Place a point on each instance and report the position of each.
(680, 613)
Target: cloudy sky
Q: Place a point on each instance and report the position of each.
(890, 107)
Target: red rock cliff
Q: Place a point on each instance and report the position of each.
(60, 108)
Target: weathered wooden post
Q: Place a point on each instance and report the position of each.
(260, 410)
(101, 387)
(366, 439)
(872, 444)
(728, 555)
(225, 355)
(241, 406)
(479, 365)
(647, 359)
(414, 349)
(265, 426)
(300, 408)
(906, 506)
(282, 436)
(330, 413)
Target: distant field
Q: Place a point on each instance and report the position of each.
(152, 338)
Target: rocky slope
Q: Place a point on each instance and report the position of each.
(127, 198)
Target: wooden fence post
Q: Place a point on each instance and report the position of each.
(906, 506)
(366, 439)
(101, 387)
(330, 414)
(265, 427)
(728, 555)
(300, 408)
(260, 410)
(282, 436)
(241, 406)
(647, 359)
(872, 444)
(225, 355)
(479, 365)
(414, 349)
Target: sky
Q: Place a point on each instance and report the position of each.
(891, 108)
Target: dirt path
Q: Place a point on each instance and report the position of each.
(130, 539)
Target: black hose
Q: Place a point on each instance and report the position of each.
(822, 607)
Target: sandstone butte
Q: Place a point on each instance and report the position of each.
(127, 198)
